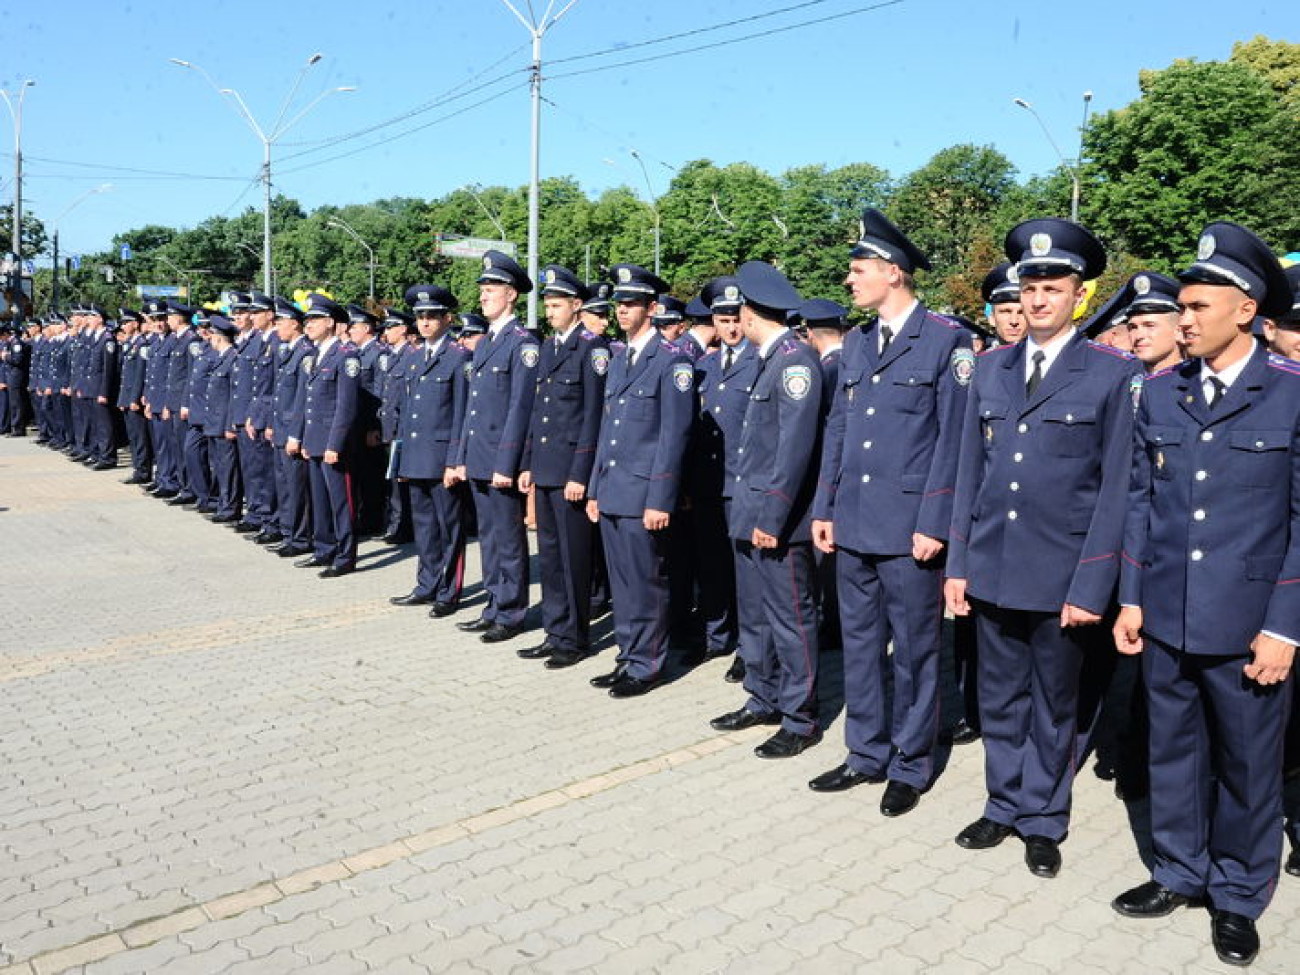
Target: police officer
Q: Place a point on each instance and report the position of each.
(330, 407)
(1210, 547)
(776, 478)
(1001, 292)
(503, 381)
(700, 335)
(253, 370)
(217, 428)
(1036, 527)
(18, 359)
(265, 508)
(166, 482)
(402, 338)
(428, 435)
(59, 380)
(884, 505)
(101, 382)
(198, 461)
(131, 388)
(1152, 313)
(186, 347)
(649, 397)
(292, 487)
(558, 456)
(371, 458)
(594, 314)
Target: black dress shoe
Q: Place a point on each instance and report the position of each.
(442, 609)
(1236, 941)
(166, 494)
(311, 562)
(983, 834)
(103, 465)
(539, 652)
(842, 778)
(963, 733)
(1042, 856)
(787, 744)
(605, 681)
(246, 528)
(291, 551)
(565, 658)
(736, 672)
(411, 599)
(1293, 863)
(181, 499)
(134, 479)
(599, 609)
(742, 719)
(334, 571)
(629, 686)
(1151, 899)
(479, 625)
(499, 633)
(394, 538)
(223, 519)
(268, 537)
(899, 798)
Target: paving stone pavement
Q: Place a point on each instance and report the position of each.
(216, 762)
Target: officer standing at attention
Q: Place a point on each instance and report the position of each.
(134, 360)
(1211, 555)
(402, 338)
(260, 401)
(166, 482)
(194, 412)
(557, 461)
(216, 422)
(330, 407)
(371, 458)
(254, 313)
(776, 478)
(292, 487)
(102, 376)
(428, 435)
(1036, 530)
(649, 406)
(187, 346)
(1001, 292)
(503, 381)
(884, 506)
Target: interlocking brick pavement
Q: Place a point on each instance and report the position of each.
(217, 762)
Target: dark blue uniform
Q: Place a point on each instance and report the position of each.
(428, 438)
(134, 360)
(370, 462)
(292, 483)
(60, 379)
(187, 347)
(18, 360)
(254, 466)
(263, 510)
(330, 407)
(102, 373)
(194, 408)
(393, 364)
(221, 447)
(155, 391)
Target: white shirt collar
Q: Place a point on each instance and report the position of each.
(1229, 375)
(640, 344)
(1050, 351)
(562, 337)
(495, 326)
(325, 347)
(896, 324)
(766, 348)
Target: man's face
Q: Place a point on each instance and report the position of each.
(1048, 304)
(286, 329)
(129, 327)
(595, 322)
(561, 312)
(1213, 317)
(672, 331)
(471, 341)
(706, 332)
(496, 299)
(1117, 337)
(633, 315)
(1153, 337)
(319, 327)
(395, 335)
(869, 280)
(177, 323)
(751, 325)
(262, 319)
(432, 324)
(360, 332)
(243, 319)
(729, 330)
(1283, 337)
(1008, 322)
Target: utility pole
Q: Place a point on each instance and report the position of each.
(16, 113)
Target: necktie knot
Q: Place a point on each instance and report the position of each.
(728, 358)
(1036, 376)
(886, 336)
(1216, 391)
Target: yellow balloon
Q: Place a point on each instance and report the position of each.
(1084, 307)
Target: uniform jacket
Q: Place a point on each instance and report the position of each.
(503, 374)
(370, 386)
(1212, 539)
(392, 367)
(133, 365)
(289, 393)
(262, 382)
(330, 402)
(187, 347)
(60, 375)
(155, 383)
(776, 464)
(1039, 513)
(196, 393)
(216, 413)
(241, 392)
(78, 364)
(429, 430)
(565, 424)
(889, 461)
(721, 398)
(644, 431)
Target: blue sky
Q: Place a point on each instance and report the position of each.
(891, 86)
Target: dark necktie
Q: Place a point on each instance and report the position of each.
(1217, 389)
(886, 336)
(428, 353)
(631, 358)
(1036, 376)
(728, 358)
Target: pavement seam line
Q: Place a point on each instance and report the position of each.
(146, 932)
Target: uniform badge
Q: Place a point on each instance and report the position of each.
(731, 293)
(600, 361)
(1040, 244)
(796, 381)
(624, 275)
(528, 355)
(683, 377)
(487, 263)
(383, 363)
(1135, 389)
(144, 352)
(1205, 247)
(548, 277)
(1142, 284)
(963, 366)
(1013, 274)
(352, 368)
(194, 350)
(1160, 460)
(469, 368)
(307, 363)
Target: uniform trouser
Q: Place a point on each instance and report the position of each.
(1216, 777)
(293, 491)
(638, 581)
(137, 434)
(965, 663)
(250, 470)
(599, 570)
(82, 433)
(225, 475)
(19, 409)
(257, 458)
(198, 464)
(371, 489)
(711, 551)
(503, 550)
(6, 396)
(1029, 695)
(334, 540)
(828, 599)
(165, 452)
(1291, 770)
(67, 428)
(178, 429)
(103, 438)
(685, 625)
(778, 632)
(565, 545)
(398, 516)
(438, 521)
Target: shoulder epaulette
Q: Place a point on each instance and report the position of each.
(1111, 350)
(1283, 364)
(938, 319)
(587, 334)
(1166, 371)
(996, 348)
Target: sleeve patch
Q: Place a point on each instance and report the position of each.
(963, 366)
(683, 377)
(600, 361)
(796, 381)
(1135, 389)
(528, 355)
(352, 368)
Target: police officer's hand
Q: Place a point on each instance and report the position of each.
(454, 475)
(230, 434)
(291, 447)
(1128, 630)
(593, 511)
(501, 481)
(761, 539)
(954, 594)
(655, 520)
(101, 400)
(267, 435)
(575, 491)
(135, 407)
(1072, 615)
(1270, 661)
(330, 457)
(823, 536)
(166, 414)
(924, 548)
(525, 481)
(250, 430)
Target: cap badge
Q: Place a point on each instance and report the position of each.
(624, 275)
(487, 262)
(550, 277)
(1040, 244)
(1205, 249)
(1142, 284)
(1013, 274)
(731, 293)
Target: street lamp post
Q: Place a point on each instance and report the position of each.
(654, 202)
(1073, 170)
(336, 222)
(268, 139)
(16, 113)
(54, 288)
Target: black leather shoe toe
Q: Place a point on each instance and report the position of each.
(606, 681)
(565, 658)
(742, 719)
(842, 778)
(479, 625)
(1236, 941)
(499, 633)
(983, 834)
(1151, 899)
(411, 599)
(1042, 856)
(440, 610)
(539, 652)
(899, 798)
(628, 686)
(787, 744)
